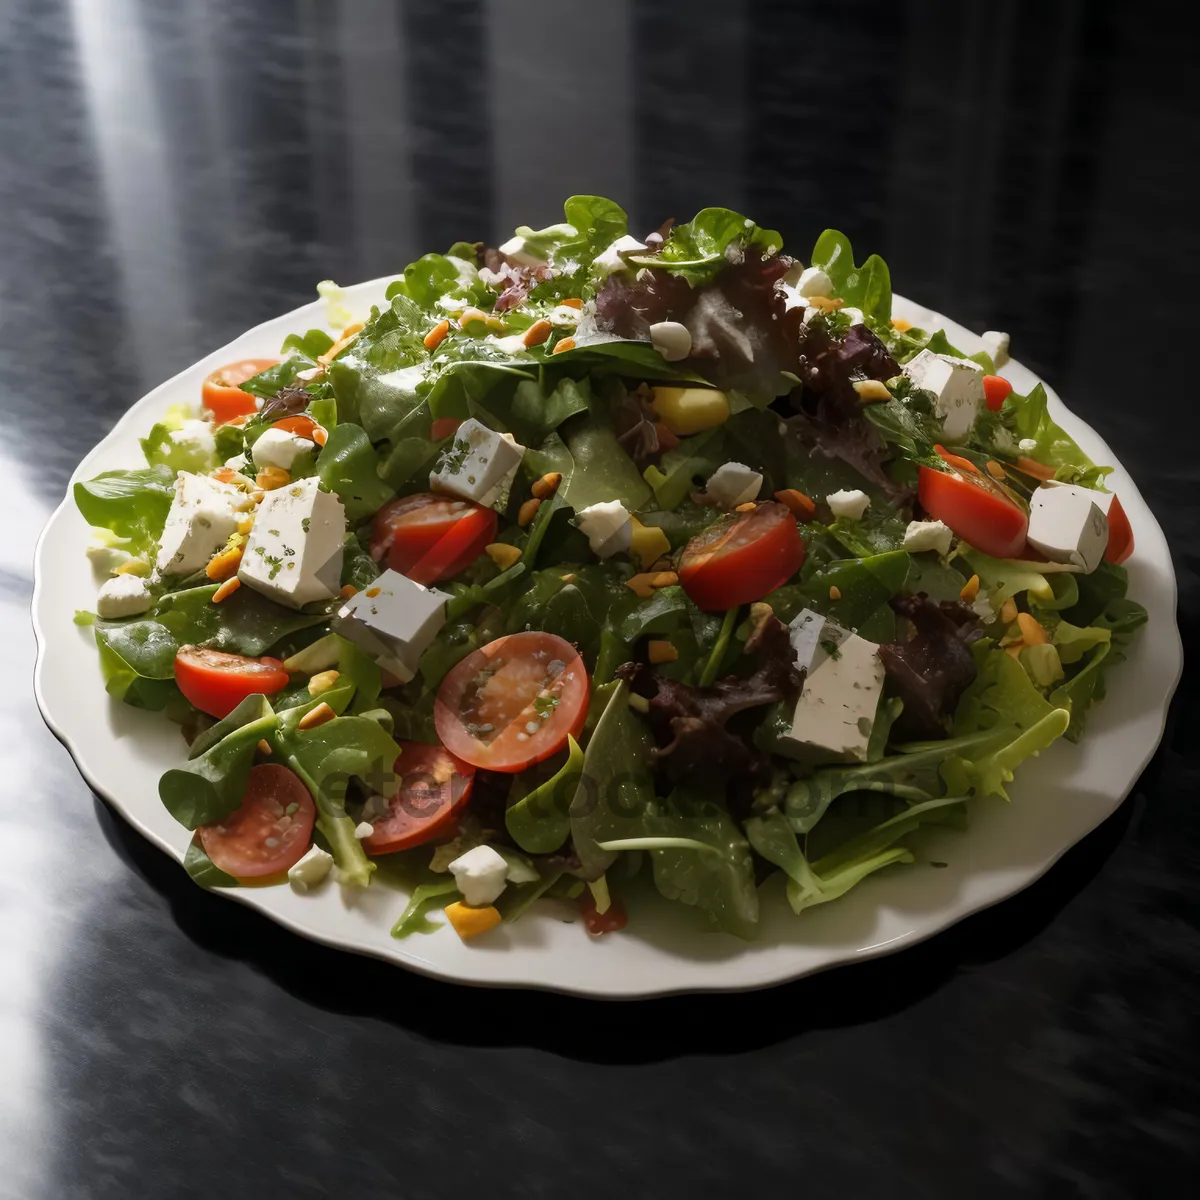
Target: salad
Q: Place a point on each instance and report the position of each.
(594, 562)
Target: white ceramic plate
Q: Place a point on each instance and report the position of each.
(1059, 797)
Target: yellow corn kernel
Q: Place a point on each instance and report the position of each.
(135, 566)
(1008, 611)
(970, 590)
(245, 525)
(528, 511)
(322, 682)
(470, 922)
(1031, 631)
(871, 390)
(502, 554)
(224, 565)
(226, 590)
(661, 651)
(647, 542)
(316, 716)
(685, 410)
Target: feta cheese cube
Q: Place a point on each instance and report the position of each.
(294, 552)
(850, 503)
(609, 261)
(203, 514)
(481, 875)
(732, 484)
(608, 527)
(843, 682)
(393, 620)
(996, 343)
(671, 339)
(280, 448)
(957, 387)
(123, 596)
(477, 463)
(312, 869)
(928, 535)
(1068, 525)
(814, 282)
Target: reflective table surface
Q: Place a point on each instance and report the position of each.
(174, 171)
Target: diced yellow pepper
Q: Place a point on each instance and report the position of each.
(469, 922)
(647, 543)
(685, 410)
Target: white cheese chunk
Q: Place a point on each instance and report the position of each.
(563, 314)
(996, 343)
(671, 339)
(843, 682)
(928, 535)
(957, 387)
(814, 282)
(476, 464)
(855, 315)
(732, 484)
(1068, 525)
(237, 462)
(123, 596)
(481, 875)
(294, 553)
(393, 620)
(203, 514)
(850, 503)
(280, 448)
(1027, 445)
(608, 527)
(609, 260)
(312, 869)
(363, 829)
(106, 559)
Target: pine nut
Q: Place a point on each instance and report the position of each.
(661, 651)
(436, 336)
(835, 592)
(547, 485)
(537, 333)
(316, 716)
(226, 590)
(528, 511)
(561, 347)
(970, 590)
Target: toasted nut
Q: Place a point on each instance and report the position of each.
(528, 511)
(316, 716)
(537, 333)
(749, 506)
(436, 336)
(547, 485)
(1008, 611)
(970, 590)
(642, 586)
(263, 746)
(661, 651)
(272, 478)
(664, 579)
(502, 554)
(995, 470)
(562, 346)
(226, 590)
(900, 325)
(871, 390)
(824, 303)
(569, 577)
(802, 507)
(225, 564)
(372, 592)
(320, 435)
(835, 592)
(347, 591)
(1031, 631)
(638, 703)
(322, 682)
(572, 302)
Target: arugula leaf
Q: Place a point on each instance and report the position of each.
(868, 287)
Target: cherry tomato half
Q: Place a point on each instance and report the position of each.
(262, 837)
(742, 558)
(410, 533)
(222, 393)
(513, 702)
(302, 426)
(610, 920)
(977, 508)
(1120, 534)
(216, 682)
(995, 391)
(434, 787)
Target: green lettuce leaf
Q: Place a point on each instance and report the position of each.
(537, 817)
(868, 287)
(698, 249)
(132, 504)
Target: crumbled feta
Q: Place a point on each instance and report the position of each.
(671, 339)
(477, 463)
(106, 559)
(237, 463)
(481, 875)
(363, 829)
(957, 387)
(1068, 524)
(732, 484)
(608, 527)
(563, 314)
(195, 440)
(294, 552)
(280, 448)
(609, 261)
(393, 620)
(1027, 445)
(928, 535)
(123, 596)
(203, 514)
(814, 282)
(996, 343)
(312, 869)
(850, 503)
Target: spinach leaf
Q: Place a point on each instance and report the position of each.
(537, 817)
(203, 870)
(245, 623)
(133, 504)
(414, 918)
(348, 465)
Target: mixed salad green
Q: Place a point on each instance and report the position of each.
(593, 556)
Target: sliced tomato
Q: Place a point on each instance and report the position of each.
(513, 702)
(742, 558)
(271, 829)
(977, 508)
(216, 682)
(610, 920)
(995, 391)
(434, 787)
(409, 533)
(1120, 534)
(302, 426)
(222, 392)
(443, 427)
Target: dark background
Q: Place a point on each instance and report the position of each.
(174, 172)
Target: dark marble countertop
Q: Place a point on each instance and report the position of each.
(172, 173)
